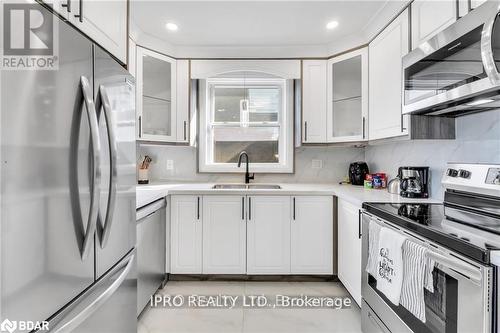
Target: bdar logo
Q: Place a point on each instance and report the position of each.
(8, 326)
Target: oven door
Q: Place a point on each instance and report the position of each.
(461, 301)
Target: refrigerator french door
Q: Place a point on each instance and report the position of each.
(68, 191)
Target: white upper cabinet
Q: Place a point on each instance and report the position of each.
(268, 235)
(163, 98)
(314, 101)
(476, 3)
(347, 95)
(186, 234)
(183, 88)
(132, 57)
(312, 238)
(349, 248)
(385, 80)
(103, 21)
(60, 7)
(224, 234)
(156, 96)
(430, 17)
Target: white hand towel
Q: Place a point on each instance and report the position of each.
(414, 276)
(390, 264)
(373, 236)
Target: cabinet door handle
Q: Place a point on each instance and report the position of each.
(402, 125)
(185, 130)
(198, 210)
(80, 11)
(249, 208)
(67, 5)
(305, 131)
(364, 123)
(243, 208)
(294, 209)
(140, 126)
(359, 224)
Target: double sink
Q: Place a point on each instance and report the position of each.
(246, 187)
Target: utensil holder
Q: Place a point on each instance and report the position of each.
(143, 176)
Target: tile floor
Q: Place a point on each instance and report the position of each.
(240, 319)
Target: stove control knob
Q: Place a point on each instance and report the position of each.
(451, 172)
(463, 173)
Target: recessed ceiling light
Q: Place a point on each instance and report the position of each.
(171, 26)
(332, 25)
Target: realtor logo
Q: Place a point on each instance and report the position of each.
(8, 326)
(29, 37)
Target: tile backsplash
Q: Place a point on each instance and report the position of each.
(478, 141)
(335, 161)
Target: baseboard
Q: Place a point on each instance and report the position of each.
(243, 277)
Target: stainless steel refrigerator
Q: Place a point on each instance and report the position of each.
(68, 192)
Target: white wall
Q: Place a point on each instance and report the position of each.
(478, 141)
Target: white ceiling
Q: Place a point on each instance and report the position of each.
(253, 23)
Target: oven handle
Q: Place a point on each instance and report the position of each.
(458, 266)
(487, 49)
(472, 273)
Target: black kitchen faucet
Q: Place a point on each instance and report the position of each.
(248, 177)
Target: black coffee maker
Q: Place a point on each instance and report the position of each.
(414, 182)
(357, 173)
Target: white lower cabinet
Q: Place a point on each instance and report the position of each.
(268, 235)
(349, 248)
(186, 234)
(312, 235)
(224, 235)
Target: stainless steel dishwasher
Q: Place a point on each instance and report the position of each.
(151, 250)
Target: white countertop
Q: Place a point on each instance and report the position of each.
(353, 194)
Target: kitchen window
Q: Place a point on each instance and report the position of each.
(246, 114)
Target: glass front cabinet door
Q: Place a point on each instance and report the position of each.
(347, 96)
(156, 92)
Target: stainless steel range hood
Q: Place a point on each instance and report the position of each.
(457, 71)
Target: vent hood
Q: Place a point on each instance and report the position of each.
(457, 71)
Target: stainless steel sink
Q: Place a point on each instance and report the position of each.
(246, 187)
(230, 187)
(263, 187)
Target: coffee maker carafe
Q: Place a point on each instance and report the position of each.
(414, 182)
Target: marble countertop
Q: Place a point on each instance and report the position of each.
(353, 194)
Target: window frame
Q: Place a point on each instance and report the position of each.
(206, 124)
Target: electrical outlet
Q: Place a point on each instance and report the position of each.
(170, 164)
(317, 164)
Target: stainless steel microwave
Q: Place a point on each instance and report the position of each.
(456, 72)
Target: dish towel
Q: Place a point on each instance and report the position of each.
(429, 277)
(373, 235)
(390, 264)
(414, 279)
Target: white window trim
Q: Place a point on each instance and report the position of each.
(286, 144)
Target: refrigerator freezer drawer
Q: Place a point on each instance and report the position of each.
(108, 306)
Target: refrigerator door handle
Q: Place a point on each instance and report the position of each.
(104, 227)
(93, 299)
(96, 168)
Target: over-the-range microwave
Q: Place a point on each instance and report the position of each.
(456, 72)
